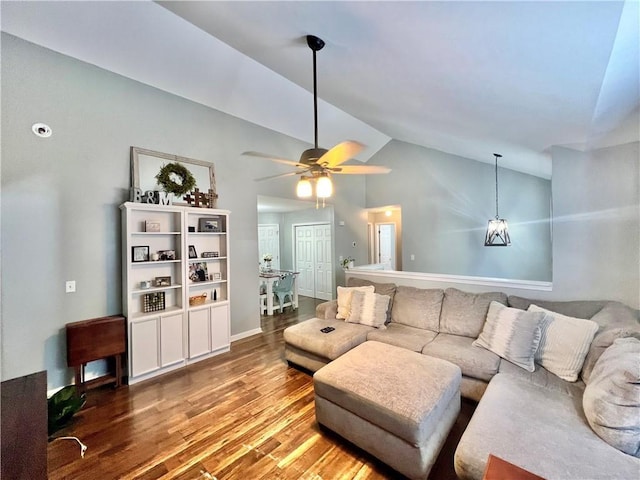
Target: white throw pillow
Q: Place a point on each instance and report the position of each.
(564, 343)
(368, 308)
(511, 333)
(344, 299)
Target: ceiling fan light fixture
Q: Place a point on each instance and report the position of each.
(324, 187)
(304, 188)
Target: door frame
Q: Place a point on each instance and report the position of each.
(376, 234)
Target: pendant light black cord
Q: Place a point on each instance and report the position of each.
(497, 155)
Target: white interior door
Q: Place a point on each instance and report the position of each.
(304, 260)
(269, 242)
(313, 260)
(387, 244)
(323, 264)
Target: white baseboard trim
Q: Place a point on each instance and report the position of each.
(248, 333)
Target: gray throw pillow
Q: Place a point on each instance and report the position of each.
(611, 399)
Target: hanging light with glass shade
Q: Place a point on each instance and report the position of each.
(497, 230)
(304, 188)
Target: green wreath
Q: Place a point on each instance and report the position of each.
(186, 181)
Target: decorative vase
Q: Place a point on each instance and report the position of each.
(267, 265)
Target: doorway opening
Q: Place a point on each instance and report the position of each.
(384, 227)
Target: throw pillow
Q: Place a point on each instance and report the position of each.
(564, 343)
(512, 334)
(344, 299)
(611, 400)
(381, 288)
(464, 313)
(368, 308)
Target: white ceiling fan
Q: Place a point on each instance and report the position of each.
(319, 163)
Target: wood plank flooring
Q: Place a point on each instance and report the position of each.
(241, 415)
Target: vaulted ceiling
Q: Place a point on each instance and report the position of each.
(468, 78)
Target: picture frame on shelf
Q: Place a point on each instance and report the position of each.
(167, 254)
(192, 251)
(217, 276)
(140, 253)
(151, 226)
(198, 272)
(163, 281)
(153, 302)
(209, 224)
(210, 254)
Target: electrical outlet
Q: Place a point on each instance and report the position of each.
(413, 257)
(70, 286)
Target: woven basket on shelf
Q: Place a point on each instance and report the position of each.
(197, 300)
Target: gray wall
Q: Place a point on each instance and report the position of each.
(446, 202)
(596, 223)
(60, 196)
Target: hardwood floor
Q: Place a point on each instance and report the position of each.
(241, 415)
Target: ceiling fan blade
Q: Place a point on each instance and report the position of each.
(360, 169)
(341, 153)
(273, 158)
(281, 175)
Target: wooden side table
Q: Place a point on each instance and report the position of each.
(95, 339)
(499, 469)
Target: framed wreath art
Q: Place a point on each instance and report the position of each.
(176, 178)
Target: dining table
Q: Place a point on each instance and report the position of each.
(266, 279)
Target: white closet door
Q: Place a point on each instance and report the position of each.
(314, 261)
(305, 261)
(323, 264)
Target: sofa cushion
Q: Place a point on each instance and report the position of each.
(543, 378)
(611, 400)
(575, 308)
(511, 333)
(344, 299)
(308, 337)
(539, 430)
(616, 320)
(417, 307)
(327, 309)
(474, 362)
(368, 308)
(381, 288)
(464, 313)
(564, 343)
(399, 335)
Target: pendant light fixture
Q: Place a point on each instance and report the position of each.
(497, 230)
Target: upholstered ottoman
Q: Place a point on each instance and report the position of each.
(396, 404)
(306, 345)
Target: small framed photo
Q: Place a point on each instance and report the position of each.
(163, 281)
(217, 276)
(192, 252)
(151, 226)
(198, 272)
(140, 254)
(167, 254)
(209, 224)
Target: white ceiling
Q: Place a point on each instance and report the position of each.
(469, 78)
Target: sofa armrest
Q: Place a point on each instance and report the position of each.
(327, 310)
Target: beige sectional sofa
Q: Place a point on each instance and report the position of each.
(533, 419)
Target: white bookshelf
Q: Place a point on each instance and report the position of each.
(174, 333)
